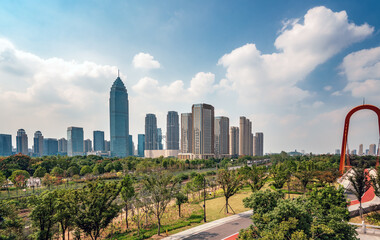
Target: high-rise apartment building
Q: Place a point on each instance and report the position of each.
(172, 131)
(203, 131)
(221, 136)
(74, 141)
(234, 141)
(259, 144)
(141, 145)
(245, 137)
(5, 145)
(38, 144)
(131, 145)
(50, 146)
(98, 141)
(372, 149)
(22, 142)
(62, 146)
(186, 132)
(119, 119)
(87, 146)
(361, 153)
(151, 132)
(159, 139)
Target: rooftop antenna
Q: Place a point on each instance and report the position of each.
(363, 101)
(118, 73)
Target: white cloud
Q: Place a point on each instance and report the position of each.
(327, 88)
(200, 85)
(362, 69)
(301, 48)
(51, 94)
(145, 61)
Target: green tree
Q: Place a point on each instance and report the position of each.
(43, 214)
(57, 172)
(375, 181)
(85, 170)
(73, 170)
(19, 178)
(11, 224)
(230, 182)
(360, 181)
(263, 201)
(254, 176)
(198, 182)
(109, 167)
(305, 173)
(278, 174)
(180, 199)
(96, 207)
(127, 194)
(65, 211)
(40, 172)
(162, 187)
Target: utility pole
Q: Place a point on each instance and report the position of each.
(204, 198)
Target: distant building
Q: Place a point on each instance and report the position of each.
(259, 144)
(353, 152)
(245, 137)
(5, 145)
(172, 131)
(372, 149)
(186, 132)
(22, 142)
(203, 131)
(234, 141)
(62, 146)
(337, 151)
(38, 144)
(361, 150)
(221, 136)
(119, 119)
(131, 145)
(151, 132)
(159, 139)
(141, 145)
(107, 146)
(99, 141)
(367, 152)
(87, 146)
(158, 153)
(50, 146)
(75, 141)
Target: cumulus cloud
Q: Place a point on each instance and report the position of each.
(301, 48)
(51, 91)
(200, 85)
(145, 61)
(327, 88)
(362, 70)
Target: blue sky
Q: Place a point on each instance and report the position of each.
(58, 60)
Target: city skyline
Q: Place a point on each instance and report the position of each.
(297, 106)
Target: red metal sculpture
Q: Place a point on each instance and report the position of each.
(342, 164)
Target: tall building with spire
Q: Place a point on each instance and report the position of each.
(119, 119)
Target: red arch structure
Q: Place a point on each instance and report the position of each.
(342, 164)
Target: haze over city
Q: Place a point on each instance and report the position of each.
(58, 61)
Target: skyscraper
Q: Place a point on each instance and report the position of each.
(172, 131)
(38, 144)
(87, 146)
(234, 141)
(361, 150)
(22, 142)
(151, 132)
(62, 146)
(159, 139)
(259, 144)
(245, 137)
(107, 145)
(222, 136)
(50, 146)
(131, 145)
(372, 149)
(141, 145)
(119, 119)
(203, 130)
(186, 132)
(99, 141)
(5, 145)
(74, 141)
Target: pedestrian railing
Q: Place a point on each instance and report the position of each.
(364, 226)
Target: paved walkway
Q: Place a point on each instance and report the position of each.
(216, 230)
